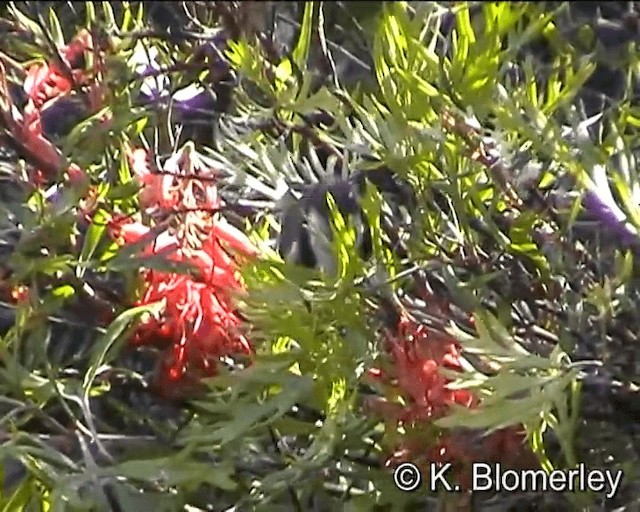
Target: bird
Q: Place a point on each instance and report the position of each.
(306, 236)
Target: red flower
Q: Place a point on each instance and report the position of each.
(157, 189)
(75, 50)
(27, 133)
(46, 81)
(20, 293)
(198, 324)
(416, 357)
(44, 84)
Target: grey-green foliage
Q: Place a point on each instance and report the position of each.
(430, 120)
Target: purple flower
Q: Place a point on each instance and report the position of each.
(154, 84)
(61, 116)
(599, 201)
(191, 103)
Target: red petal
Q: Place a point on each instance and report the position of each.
(235, 238)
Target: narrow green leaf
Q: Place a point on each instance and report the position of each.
(504, 414)
(91, 240)
(113, 338)
(301, 51)
(48, 266)
(128, 190)
(56, 30)
(624, 192)
(252, 415)
(151, 262)
(127, 17)
(463, 24)
(20, 497)
(109, 15)
(63, 292)
(174, 471)
(30, 25)
(130, 498)
(90, 13)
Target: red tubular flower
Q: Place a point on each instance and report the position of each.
(74, 51)
(416, 357)
(20, 293)
(157, 189)
(46, 81)
(198, 325)
(232, 237)
(29, 131)
(44, 84)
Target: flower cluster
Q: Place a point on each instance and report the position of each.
(418, 394)
(198, 325)
(51, 92)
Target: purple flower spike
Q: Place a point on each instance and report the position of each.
(193, 103)
(61, 116)
(599, 202)
(190, 104)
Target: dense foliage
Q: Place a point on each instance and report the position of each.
(254, 255)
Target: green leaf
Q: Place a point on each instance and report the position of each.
(127, 17)
(128, 190)
(49, 266)
(108, 344)
(20, 497)
(300, 53)
(463, 24)
(122, 262)
(109, 16)
(491, 330)
(90, 13)
(131, 498)
(87, 136)
(624, 267)
(175, 471)
(56, 30)
(30, 25)
(249, 416)
(269, 369)
(321, 100)
(509, 385)
(631, 208)
(63, 292)
(571, 85)
(495, 417)
(283, 73)
(92, 240)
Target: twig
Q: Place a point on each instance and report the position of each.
(292, 494)
(13, 65)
